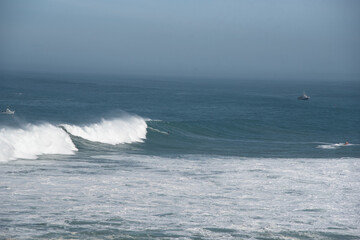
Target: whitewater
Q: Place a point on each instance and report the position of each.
(31, 141)
(186, 197)
(121, 130)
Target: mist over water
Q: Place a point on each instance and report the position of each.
(240, 39)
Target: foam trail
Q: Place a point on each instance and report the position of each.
(333, 146)
(34, 140)
(159, 131)
(126, 129)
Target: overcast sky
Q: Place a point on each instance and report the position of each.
(310, 39)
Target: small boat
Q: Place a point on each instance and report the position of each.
(303, 97)
(8, 111)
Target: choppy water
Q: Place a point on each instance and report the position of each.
(125, 158)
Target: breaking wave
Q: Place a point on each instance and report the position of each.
(33, 140)
(127, 129)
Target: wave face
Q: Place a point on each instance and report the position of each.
(34, 140)
(127, 129)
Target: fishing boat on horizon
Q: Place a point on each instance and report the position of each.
(303, 97)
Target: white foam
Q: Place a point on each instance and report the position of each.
(34, 140)
(159, 131)
(333, 146)
(127, 129)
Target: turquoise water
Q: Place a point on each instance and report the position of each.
(124, 157)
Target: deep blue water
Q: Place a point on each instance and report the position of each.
(109, 157)
(233, 118)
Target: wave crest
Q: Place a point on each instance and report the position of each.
(34, 140)
(127, 129)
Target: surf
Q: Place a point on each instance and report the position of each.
(31, 141)
(121, 130)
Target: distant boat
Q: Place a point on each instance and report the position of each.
(303, 97)
(8, 111)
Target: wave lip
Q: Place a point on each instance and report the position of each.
(33, 140)
(126, 129)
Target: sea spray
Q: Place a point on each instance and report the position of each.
(126, 129)
(31, 141)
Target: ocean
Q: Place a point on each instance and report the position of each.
(124, 157)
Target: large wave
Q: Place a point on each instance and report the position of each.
(127, 129)
(30, 141)
(34, 140)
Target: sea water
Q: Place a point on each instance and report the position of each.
(109, 157)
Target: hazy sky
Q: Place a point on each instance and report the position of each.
(240, 38)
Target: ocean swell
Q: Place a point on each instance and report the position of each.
(127, 129)
(31, 141)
